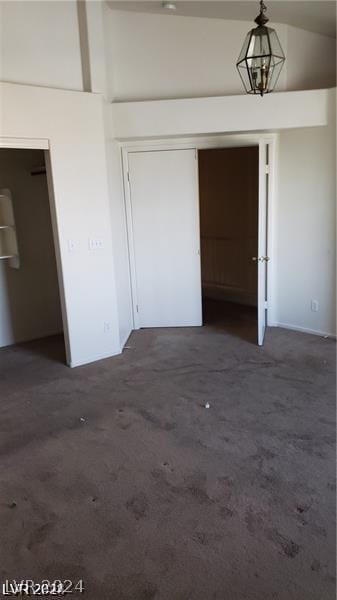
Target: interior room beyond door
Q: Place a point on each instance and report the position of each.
(229, 226)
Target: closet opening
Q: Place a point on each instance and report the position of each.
(30, 306)
(229, 217)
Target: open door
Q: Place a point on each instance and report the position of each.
(164, 216)
(262, 257)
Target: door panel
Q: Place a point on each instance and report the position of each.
(262, 241)
(165, 225)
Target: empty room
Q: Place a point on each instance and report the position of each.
(168, 299)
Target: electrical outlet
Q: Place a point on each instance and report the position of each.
(95, 244)
(107, 327)
(71, 245)
(314, 305)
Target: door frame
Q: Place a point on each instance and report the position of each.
(44, 144)
(199, 143)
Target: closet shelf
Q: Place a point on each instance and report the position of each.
(8, 239)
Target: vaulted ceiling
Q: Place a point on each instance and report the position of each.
(312, 15)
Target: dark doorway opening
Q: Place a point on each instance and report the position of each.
(30, 307)
(229, 190)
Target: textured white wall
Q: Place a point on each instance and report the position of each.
(29, 299)
(153, 56)
(119, 233)
(242, 113)
(303, 218)
(311, 60)
(73, 122)
(305, 222)
(39, 43)
(144, 56)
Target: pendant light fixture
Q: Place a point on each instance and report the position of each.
(261, 58)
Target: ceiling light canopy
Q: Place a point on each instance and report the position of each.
(169, 6)
(261, 58)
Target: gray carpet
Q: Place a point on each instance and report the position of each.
(116, 473)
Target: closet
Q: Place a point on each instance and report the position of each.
(30, 300)
(8, 238)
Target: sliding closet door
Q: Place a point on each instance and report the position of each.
(165, 231)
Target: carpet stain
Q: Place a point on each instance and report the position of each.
(152, 497)
(225, 512)
(138, 505)
(39, 535)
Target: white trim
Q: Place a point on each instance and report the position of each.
(25, 143)
(272, 311)
(300, 329)
(197, 142)
(202, 142)
(56, 240)
(125, 339)
(43, 144)
(94, 358)
(130, 238)
(262, 241)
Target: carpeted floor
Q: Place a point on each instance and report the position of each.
(117, 474)
(232, 318)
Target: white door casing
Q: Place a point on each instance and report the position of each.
(262, 257)
(266, 212)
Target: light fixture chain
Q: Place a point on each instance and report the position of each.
(263, 7)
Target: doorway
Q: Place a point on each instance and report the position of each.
(163, 221)
(30, 307)
(229, 209)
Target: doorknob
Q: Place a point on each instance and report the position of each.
(260, 258)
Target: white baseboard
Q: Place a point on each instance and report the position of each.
(91, 359)
(324, 334)
(126, 337)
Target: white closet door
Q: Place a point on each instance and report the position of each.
(166, 238)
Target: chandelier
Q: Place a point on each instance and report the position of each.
(261, 58)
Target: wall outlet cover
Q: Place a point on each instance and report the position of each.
(314, 305)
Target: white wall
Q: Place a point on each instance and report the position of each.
(153, 56)
(144, 56)
(180, 57)
(96, 14)
(195, 116)
(29, 300)
(39, 43)
(119, 232)
(311, 60)
(303, 219)
(305, 223)
(73, 122)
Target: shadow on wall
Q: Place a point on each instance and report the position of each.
(30, 301)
